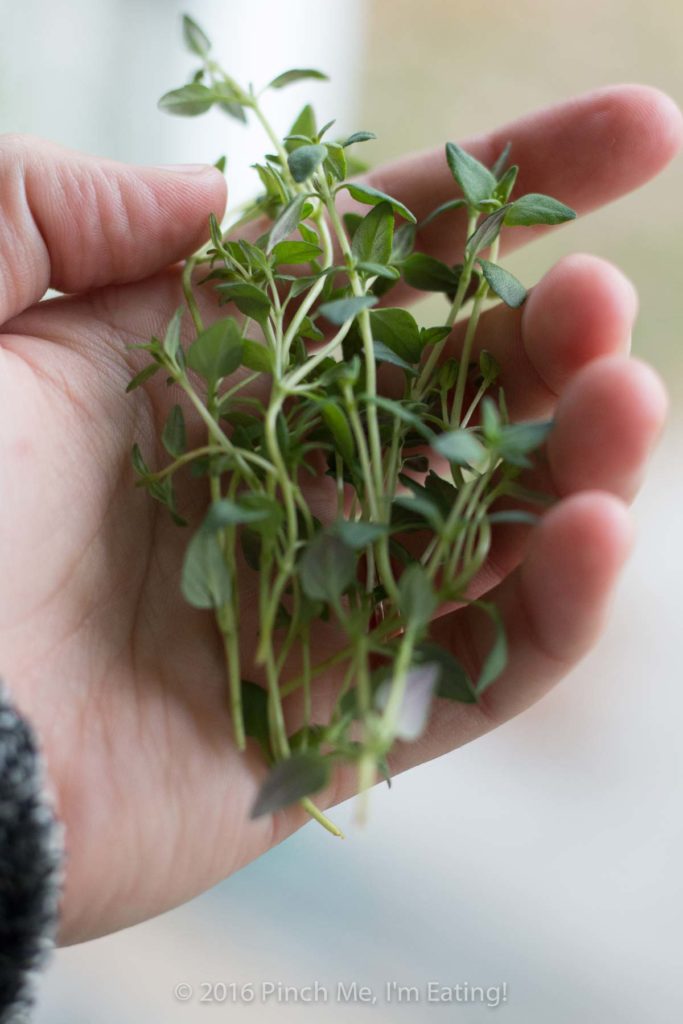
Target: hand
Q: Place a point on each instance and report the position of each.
(122, 680)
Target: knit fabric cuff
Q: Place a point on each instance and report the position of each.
(31, 863)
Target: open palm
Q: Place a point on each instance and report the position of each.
(122, 680)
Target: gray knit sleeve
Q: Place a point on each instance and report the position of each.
(31, 861)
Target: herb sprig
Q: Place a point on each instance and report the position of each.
(308, 334)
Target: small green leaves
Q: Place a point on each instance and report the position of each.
(383, 354)
(296, 75)
(459, 446)
(144, 375)
(287, 221)
(304, 160)
(295, 252)
(340, 310)
(171, 342)
(206, 580)
(535, 208)
(398, 330)
(372, 196)
(255, 712)
(173, 437)
(503, 283)
(300, 775)
(358, 534)
(358, 137)
(487, 232)
(338, 425)
(188, 101)
(476, 181)
(231, 513)
(450, 204)
(217, 351)
(453, 681)
(327, 567)
(429, 274)
(516, 440)
(416, 598)
(256, 356)
(372, 240)
(249, 299)
(495, 660)
(195, 38)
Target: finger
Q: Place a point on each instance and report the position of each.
(74, 222)
(607, 423)
(553, 608)
(585, 152)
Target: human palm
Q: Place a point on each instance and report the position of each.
(124, 682)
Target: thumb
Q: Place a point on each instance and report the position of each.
(74, 222)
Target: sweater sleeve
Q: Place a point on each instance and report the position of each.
(31, 862)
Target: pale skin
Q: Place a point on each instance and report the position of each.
(123, 682)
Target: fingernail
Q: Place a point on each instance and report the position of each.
(184, 168)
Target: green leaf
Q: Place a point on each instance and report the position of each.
(459, 446)
(404, 241)
(287, 221)
(453, 681)
(499, 165)
(171, 342)
(422, 507)
(358, 137)
(398, 330)
(476, 181)
(340, 310)
(336, 160)
(429, 274)
(514, 516)
(506, 184)
(495, 660)
(295, 252)
(450, 204)
(327, 567)
(433, 335)
(503, 283)
(488, 367)
(256, 356)
(338, 425)
(378, 270)
(374, 236)
(296, 75)
(304, 160)
(516, 440)
(417, 601)
(300, 775)
(357, 534)
(225, 512)
(217, 351)
(304, 125)
(249, 299)
(188, 101)
(271, 514)
(402, 413)
(372, 196)
(383, 354)
(255, 714)
(173, 437)
(206, 580)
(416, 700)
(535, 208)
(196, 40)
(144, 374)
(487, 232)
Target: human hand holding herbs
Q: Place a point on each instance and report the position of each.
(309, 426)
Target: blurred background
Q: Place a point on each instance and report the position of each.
(545, 857)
